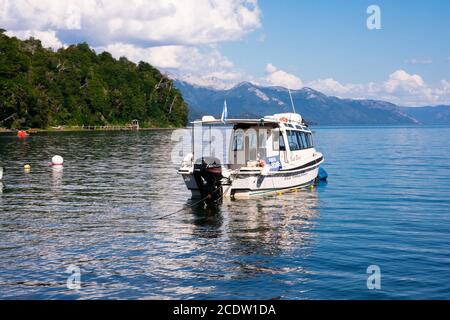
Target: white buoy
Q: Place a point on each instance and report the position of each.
(1, 173)
(57, 161)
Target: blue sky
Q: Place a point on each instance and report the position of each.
(318, 39)
(322, 44)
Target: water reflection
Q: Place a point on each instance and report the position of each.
(208, 220)
(57, 175)
(274, 221)
(253, 233)
(270, 228)
(103, 213)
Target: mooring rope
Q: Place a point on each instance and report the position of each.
(184, 208)
(198, 202)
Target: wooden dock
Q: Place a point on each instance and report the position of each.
(105, 128)
(133, 126)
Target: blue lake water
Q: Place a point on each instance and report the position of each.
(387, 203)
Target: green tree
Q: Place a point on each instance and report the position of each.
(75, 86)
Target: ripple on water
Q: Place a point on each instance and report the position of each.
(387, 203)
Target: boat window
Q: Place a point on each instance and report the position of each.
(278, 141)
(275, 140)
(278, 136)
(238, 143)
(292, 139)
(251, 143)
(309, 140)
(305, 141)
(301, 142)
(262, 138)
(262, 143)
(282, 143)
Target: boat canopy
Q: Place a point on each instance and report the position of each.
(212, 120)
(274, 119)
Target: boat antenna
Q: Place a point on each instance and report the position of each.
(292, 101)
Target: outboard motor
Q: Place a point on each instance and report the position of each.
(208, 178)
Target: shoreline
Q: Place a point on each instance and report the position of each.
(35, 131)
(79, 129)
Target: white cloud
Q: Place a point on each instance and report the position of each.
(401, 88)
(400, 81)
(445, 85)
(277, 77)
(200, 65)
(48, 38)
(145, 22)
(187, 58)
(443, 91)
(39, 15)
(329, 85)
(179, 36)
(419, 61)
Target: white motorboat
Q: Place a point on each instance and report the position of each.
(262, 156)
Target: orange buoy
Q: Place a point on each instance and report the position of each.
(21, 134)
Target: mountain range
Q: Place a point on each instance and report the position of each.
(247, 100)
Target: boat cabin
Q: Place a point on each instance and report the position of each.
(276, 140)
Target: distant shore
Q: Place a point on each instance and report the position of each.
(79, 129)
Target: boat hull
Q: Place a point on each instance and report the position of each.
(250, 184)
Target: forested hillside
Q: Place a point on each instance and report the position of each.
(249, 100)
(40, 88)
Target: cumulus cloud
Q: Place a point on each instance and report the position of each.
(172, 56)
(178, 36)
(40, 15)
(277, 77)
(181, 36)
(48, 38)
(401, 80)
(201, 65)
(329, 85)
(400, 87)
(147, 23)
(445, 85)
(444, 90)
